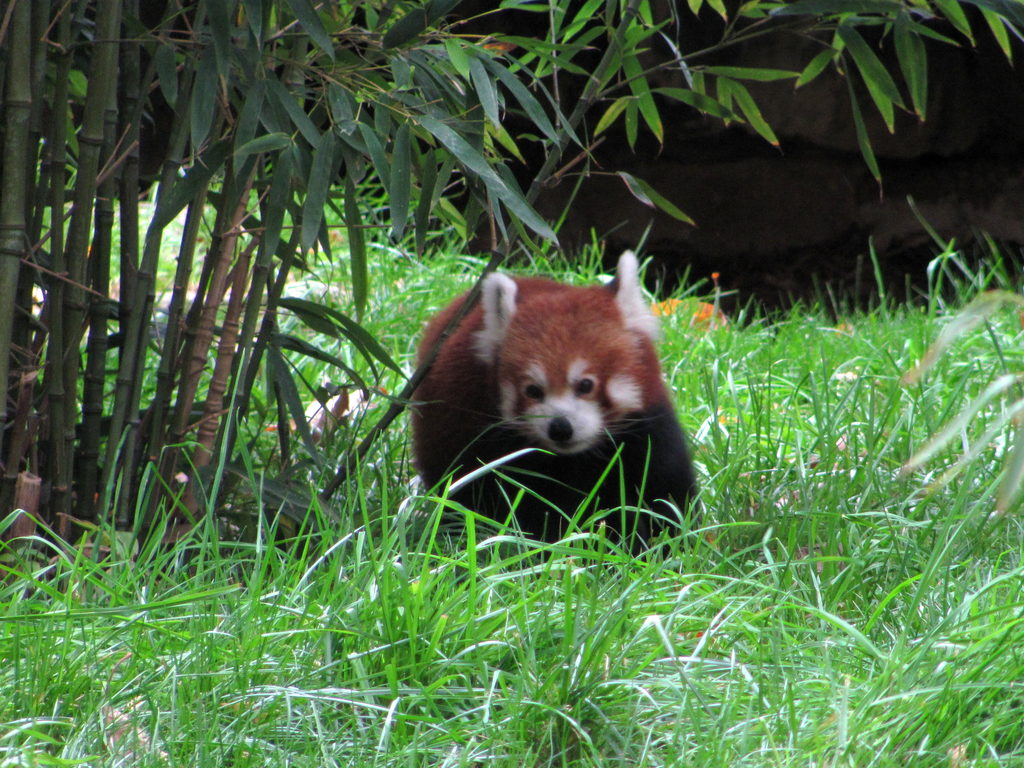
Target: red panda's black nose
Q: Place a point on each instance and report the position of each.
(560, 430)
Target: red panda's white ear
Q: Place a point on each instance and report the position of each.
(499, 303)
(635, 309)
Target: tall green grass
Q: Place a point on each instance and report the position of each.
(828, 610)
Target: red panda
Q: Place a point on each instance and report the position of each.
(571, 371)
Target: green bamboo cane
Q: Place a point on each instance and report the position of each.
(17, 108)
(250, 346)
(201, 318)
(136, 308)
(168, 369)
(102, 79)
(87, 460)
(268, 325)
(55, 158)
(132, 79)
(40, 54)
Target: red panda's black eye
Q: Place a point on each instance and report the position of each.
(584, 386)
(534, 392)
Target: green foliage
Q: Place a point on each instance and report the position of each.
(825, 614)
(274, 136)
(1006, 386)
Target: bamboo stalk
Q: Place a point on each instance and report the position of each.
(40, 49)
(87, 459)
(102, 79)
(268, 325)
(37, 195)
(136, 301)
(199, 333)
(55, 157)
(132, 79)
(273, 209)
(168, 370)
(17, 109)
(213, 408)
(199, 328)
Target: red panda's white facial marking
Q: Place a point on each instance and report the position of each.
(559, 412)
(625, 393)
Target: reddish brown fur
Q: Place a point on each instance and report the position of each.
(460, 395)
(638, 446)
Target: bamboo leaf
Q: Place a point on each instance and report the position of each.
(289, 103)
(249, 115)
(645, 101)
(377, 156)
(825, 7)
(698, 101)
(304, 348)
(816, 66)
(167, 73)
(980, 309)
(719, 7)
(433, 182)
(997, 24)
(485, 90)
(649, 196)
(475, 162)
(254, 18)
(632, 122)
(553, 55)
(913, 59)
(268, 142)
(196, 177)
(204, 98)
(401, 182)
(277, 199)
(416, 21)
(321, 171)
(749, 108)
(584, 16)
(331, 322)
(356, 239)
(280, 493)
(310, 21)
(412, 24)
(954, 13)
(1013, 481)
(759, 74)
(611, 114)
(957, 425)
(1011, 10)
(526, 99)
(457, 56)
(428, 176)
(876, 77)
(863, 141)
(217, 15)
(975, 449)
(505, 139)
(281, 375)
(343, 108)
(884, 106)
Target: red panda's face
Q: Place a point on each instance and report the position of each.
(568, 406)
(571, 363)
